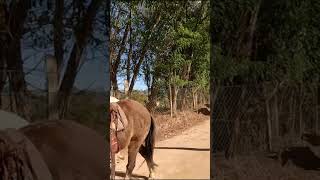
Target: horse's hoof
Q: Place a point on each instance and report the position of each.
(152, 175)
(120, 156)
(127, 177)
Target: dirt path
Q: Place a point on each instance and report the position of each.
(186, 156)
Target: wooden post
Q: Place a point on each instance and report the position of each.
(52, 86)
(126, 88)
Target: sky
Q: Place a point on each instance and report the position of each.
(94, 72)
(139, 85)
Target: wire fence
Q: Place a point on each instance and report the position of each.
(251, 122)
(263, 117)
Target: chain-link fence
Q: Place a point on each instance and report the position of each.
(264, 116)
(260, 119)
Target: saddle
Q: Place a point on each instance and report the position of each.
(121, 122)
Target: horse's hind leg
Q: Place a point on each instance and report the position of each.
(132, 155)
(113, 166)
(149, 160)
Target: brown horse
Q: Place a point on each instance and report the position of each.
(70, 150)
(134, 128)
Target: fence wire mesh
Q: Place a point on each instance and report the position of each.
(254, 120)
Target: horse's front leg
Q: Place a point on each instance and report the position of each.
(133, 150)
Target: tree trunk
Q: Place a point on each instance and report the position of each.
(268, 120)
(314, 94)
(152, 98)
(17, 83)
(52, 87)
(170, 100)
(126, 88)
(244, 45)
(3, 49)
(17, 14)
(292, 112)
(58, 34)
(195, 98)
(174, 98)
(3, 77)
(300, 111)
(269, 126)
(116, 62)
(130, 50)
(54, 63)
(276, 115)
(114, 84)
(143, 52)
(82, 33)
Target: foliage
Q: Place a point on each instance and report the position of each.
(286, 35)
(177, 48)
(139, 96)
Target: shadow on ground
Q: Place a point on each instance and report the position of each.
(123, 174)
(184, 148)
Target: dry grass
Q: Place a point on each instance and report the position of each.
(168, 127)
(259, 167)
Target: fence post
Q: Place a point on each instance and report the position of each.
(52, 86)
(126, 88)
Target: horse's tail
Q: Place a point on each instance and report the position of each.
(150, 142)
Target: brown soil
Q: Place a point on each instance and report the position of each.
(259, 167)
(168, 127)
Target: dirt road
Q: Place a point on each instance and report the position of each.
(186, 156)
